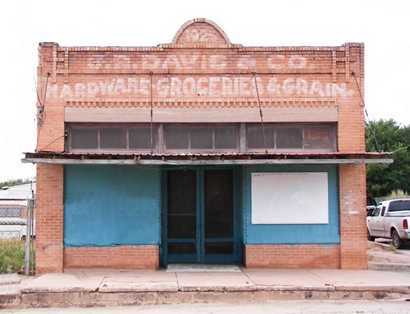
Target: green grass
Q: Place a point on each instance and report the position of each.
(11, 256)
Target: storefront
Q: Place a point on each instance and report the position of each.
(201, 151)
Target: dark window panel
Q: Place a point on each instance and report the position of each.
(219, 248)
(113, 138)
(182, 192)
(289, 137)
(181, 226)
(181, 248)
(318, 137)
(176, 137)
(140, 138)
(201, 137)
(181, 204)
(226, 137)
(254, 136)
(218, 203)
(86, 138)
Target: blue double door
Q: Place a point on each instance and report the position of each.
(199, 221)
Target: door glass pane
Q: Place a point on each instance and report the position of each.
(218, 204)
(181, 204)
(201, 138)
(181, 226)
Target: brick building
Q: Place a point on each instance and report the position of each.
(200, 151)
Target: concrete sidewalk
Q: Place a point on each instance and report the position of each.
(90, 287)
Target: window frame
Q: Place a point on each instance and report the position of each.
(331, 126)
(202, 150)
(99, 127)
(159, 138)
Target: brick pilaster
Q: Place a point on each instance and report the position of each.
(353, 240)
(49, 218)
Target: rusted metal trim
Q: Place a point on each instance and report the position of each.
(204, 161)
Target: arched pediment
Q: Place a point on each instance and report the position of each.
(201, 32)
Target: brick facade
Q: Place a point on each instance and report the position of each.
(133, 257)
(49, 214)
(353, 229)
(292, 256)
(200, 69)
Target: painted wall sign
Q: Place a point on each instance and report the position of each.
(198, 86)
(194, 61)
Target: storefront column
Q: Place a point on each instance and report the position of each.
(353, 230)
(49, 215)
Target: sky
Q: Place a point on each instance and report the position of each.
(382, 25)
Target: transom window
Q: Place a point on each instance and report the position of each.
(198, 137)
(201, 137)
(290, 137)
(111, 137)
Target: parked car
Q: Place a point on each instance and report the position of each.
(390, 220)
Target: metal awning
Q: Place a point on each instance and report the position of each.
(207, 159)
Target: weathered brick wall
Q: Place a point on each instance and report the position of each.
(200, 68)
(353, 229)
(50, 116)
(132, 256)
(351, 122)
(292, 256)
(49, 214)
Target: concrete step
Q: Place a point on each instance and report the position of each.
(201, 268)
(389, 266)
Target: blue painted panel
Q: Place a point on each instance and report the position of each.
(111, 205)
(292, 234)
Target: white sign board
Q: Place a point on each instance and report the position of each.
(290, 198)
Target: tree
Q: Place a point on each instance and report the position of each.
(388, 136)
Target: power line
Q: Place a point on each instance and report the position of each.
(52, 142)
(151, 115)
(260, 113)
(42, 102)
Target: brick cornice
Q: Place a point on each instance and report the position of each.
(285, 102)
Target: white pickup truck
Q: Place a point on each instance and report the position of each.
(390, 219)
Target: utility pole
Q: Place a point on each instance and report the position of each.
(29, 224)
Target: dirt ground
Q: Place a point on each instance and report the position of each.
(381, 251)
